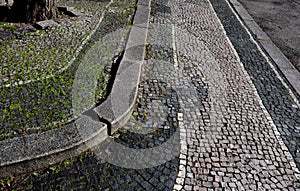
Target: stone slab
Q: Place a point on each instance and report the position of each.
(142, 16)
(136, 41)
(73, 12)
(144, 3)
(46, 24)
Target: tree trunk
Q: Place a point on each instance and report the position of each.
(31, 11)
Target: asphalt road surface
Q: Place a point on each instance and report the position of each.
(280, 19)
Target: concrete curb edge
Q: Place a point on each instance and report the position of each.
(285, 66)
(129, 71)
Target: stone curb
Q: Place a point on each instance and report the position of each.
(285, 66)
(289, 72)
(119, 105)
(36, 151)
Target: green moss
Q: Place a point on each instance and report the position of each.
(8, 26)
(6, 182)
(36, 33)
(49, 98)
(14, 106)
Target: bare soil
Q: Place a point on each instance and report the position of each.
(280, 19)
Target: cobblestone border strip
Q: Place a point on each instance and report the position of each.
(35, 151)
(77, 52)
(285, 66)
(118, 107)
(267, 114)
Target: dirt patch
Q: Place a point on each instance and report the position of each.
(280, 19)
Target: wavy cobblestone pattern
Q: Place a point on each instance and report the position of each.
(47, 103)
(275, 97)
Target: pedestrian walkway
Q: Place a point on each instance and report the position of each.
(228, 139)
(232, 141)
(200, 121)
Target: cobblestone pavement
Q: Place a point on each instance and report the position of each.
(275, 96)
(45, 104)
(231, 140)
(194, 83)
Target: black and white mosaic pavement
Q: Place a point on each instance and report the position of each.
(205, 79)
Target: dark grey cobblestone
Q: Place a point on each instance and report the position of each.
(275, 97)
(155, 116)
(88, 172)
